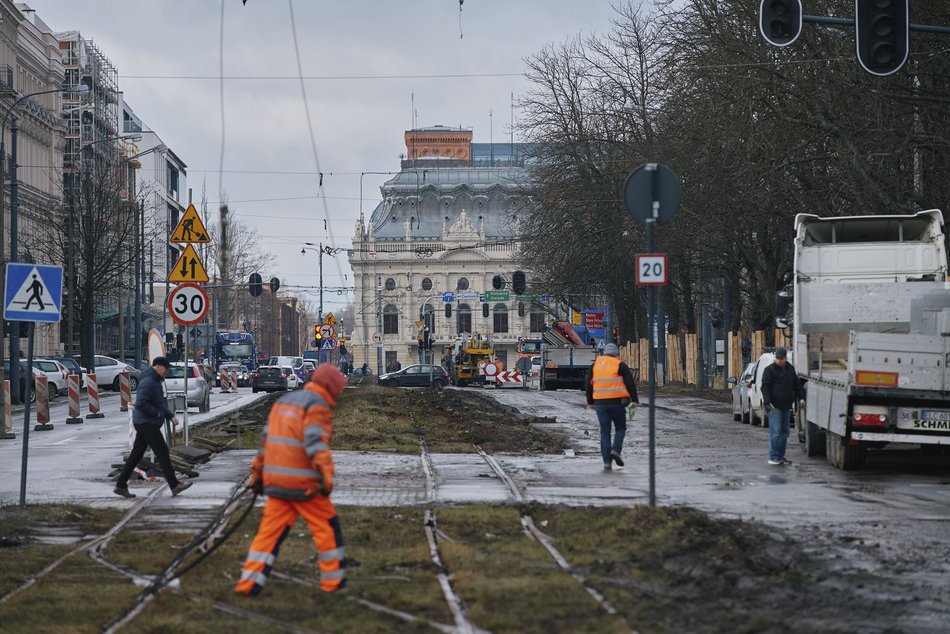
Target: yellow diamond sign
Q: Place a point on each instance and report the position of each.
(188, 268)
(190, 229)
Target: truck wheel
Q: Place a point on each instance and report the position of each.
(814, 440)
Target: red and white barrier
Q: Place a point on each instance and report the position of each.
(42, 404)
(125, 391)
(92, 392)
(509, 376)
(72, 392)
(233, 380)
(7, 413)
(225, 381)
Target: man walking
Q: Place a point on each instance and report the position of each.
(148, 415)
(294, 468)
(781, 390)
(610, 389)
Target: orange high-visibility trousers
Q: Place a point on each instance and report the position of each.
(276, 521)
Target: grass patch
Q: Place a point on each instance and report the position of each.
(508, 581)
(373, 418)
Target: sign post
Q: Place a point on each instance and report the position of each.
(652, 195)
(34, 292)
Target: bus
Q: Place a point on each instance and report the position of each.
(235, 346)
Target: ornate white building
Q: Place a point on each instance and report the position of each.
(445, 230)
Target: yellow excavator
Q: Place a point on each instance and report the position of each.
(469, 360)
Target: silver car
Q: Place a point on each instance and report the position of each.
(199, 389)
(740, 394)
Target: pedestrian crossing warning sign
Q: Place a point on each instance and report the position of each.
(34, 292)
(188, 268)
(190, 229)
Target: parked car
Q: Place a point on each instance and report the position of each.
(268, 378)
(308, 368)
(22, 381)
(416, 376)
(55, 373)
(243, 375)
(107, 371)
(74, 368)
(293, 379)
(740, 393)
(294, 362)
(359, 372)
(199, 389)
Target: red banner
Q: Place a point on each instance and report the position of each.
(594, 319)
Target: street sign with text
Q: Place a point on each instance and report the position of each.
(496, 296)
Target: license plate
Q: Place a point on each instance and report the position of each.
(931, 414)
(923, 420)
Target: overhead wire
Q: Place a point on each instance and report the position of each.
(313, 142)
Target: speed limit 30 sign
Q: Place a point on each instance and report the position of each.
(651, 268)
(188, 304)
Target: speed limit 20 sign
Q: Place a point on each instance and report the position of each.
(188, 304)
(651, 268)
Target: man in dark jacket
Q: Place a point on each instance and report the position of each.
(610, 388)
(148, 415)
(781, 390)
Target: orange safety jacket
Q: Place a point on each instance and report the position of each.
(607, 381)
(294, 460)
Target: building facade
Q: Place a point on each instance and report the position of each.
(432, 249)
(31, 62)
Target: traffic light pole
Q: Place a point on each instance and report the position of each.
(833, 21)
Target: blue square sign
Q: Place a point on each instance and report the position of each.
(34, 292)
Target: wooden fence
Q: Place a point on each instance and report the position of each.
(684, 355)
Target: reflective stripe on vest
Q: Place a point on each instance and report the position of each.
(607, 381)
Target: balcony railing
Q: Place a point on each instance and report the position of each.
(7, 79)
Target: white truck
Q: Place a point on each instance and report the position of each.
(870, 312)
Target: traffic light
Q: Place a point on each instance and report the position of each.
(780, 21)
(426, 339)
(274, 284)
(518, 283)
(497, 282)
(448, 310)
(882, 35)
(255, 284)
(316, 333)
(485, 310)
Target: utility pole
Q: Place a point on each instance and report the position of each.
(321, 283)
(379, 326)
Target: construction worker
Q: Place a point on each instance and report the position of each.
(294, 468)
(610, 389)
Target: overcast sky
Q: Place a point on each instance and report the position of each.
(363, 59)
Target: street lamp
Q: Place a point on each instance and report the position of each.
(14, 218)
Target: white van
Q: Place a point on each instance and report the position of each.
(756, 409)
(295, 362)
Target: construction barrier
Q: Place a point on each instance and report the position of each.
(72, 393)
(225, 381)
(92, 392)
(125, 391)
(42, 404)
(508, 376)
(7, 413)
(232, 381)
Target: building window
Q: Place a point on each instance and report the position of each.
(390, 320)
(463, 284)
(172, 178)
(537, 321)
(390, 284)
(500, 321)
(426, 284)
(464, 318)
(390, 359)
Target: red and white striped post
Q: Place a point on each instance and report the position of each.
(92, 391)
(72, 392)
(125, 391)
(225, 385)
(7, 413)
(232, 381)
(42, 404)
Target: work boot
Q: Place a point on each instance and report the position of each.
(181, 486)
(123, 491)
(607, 466)
(616, 458)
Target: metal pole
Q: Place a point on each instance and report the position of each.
(14, 256)
(139, 277)
(184, 416)
(651, 222)
(3, 335)
(321, 283)
(26, 415)
(379, 326)
(71, 239)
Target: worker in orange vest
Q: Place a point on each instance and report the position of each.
(294, 468)
(610, 389)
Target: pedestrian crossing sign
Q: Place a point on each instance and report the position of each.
(34, 292)
(190, 229)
